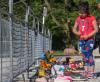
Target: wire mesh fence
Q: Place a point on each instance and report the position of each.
(27, 45)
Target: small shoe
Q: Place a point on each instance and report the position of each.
(89, 75)
(94, 76)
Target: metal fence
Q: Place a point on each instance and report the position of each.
(27, 44)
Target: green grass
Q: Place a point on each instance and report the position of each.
(59, 53)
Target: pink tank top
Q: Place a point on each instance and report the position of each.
(85, 25)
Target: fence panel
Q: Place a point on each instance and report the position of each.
(33, 44)
(38, 45)
(47, 43)
(30, 55)
(4, 52)
(16, 41)
(26, 46)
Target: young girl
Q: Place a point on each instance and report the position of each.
(85, 28)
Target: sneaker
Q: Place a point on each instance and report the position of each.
(94, 75)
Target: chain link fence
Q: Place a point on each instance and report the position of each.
(27, 45)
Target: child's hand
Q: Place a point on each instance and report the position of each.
(84, 37)
(78, 33)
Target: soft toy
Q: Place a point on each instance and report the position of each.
(72, 64)
(41, 72)
(81, 64)
(44, 64)
(52, 60)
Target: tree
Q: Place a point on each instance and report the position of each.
(60, 12)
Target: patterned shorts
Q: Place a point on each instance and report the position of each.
(86, 48)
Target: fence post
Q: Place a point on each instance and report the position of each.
(43, 36)
(11, 49)
(0, 49)
(33, 39)
(38, 39)
(43, 22)
(51, 41)
(27, 37)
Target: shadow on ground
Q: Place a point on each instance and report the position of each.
(98, 74)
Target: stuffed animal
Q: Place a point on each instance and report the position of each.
(41, 72)
(52, 60)
(81, 64)
(72, 64)
(44, 64)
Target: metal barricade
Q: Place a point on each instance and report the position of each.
(38, 47)
(4, 52)
(27, 45)
(47, 43)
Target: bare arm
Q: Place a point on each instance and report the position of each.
(75, 31)
(95, 29)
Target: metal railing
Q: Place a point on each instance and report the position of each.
(19, 46)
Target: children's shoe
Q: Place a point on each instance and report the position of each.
(89, 75)
(84, 74)
(94, 75)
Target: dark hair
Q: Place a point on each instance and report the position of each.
(84, 7)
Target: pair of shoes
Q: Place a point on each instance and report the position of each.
(88, 75)
(83, 73)
(94, 75)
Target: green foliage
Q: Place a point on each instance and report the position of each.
(60, 10)
(37, 7)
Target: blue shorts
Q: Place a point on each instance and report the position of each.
(86, 48)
